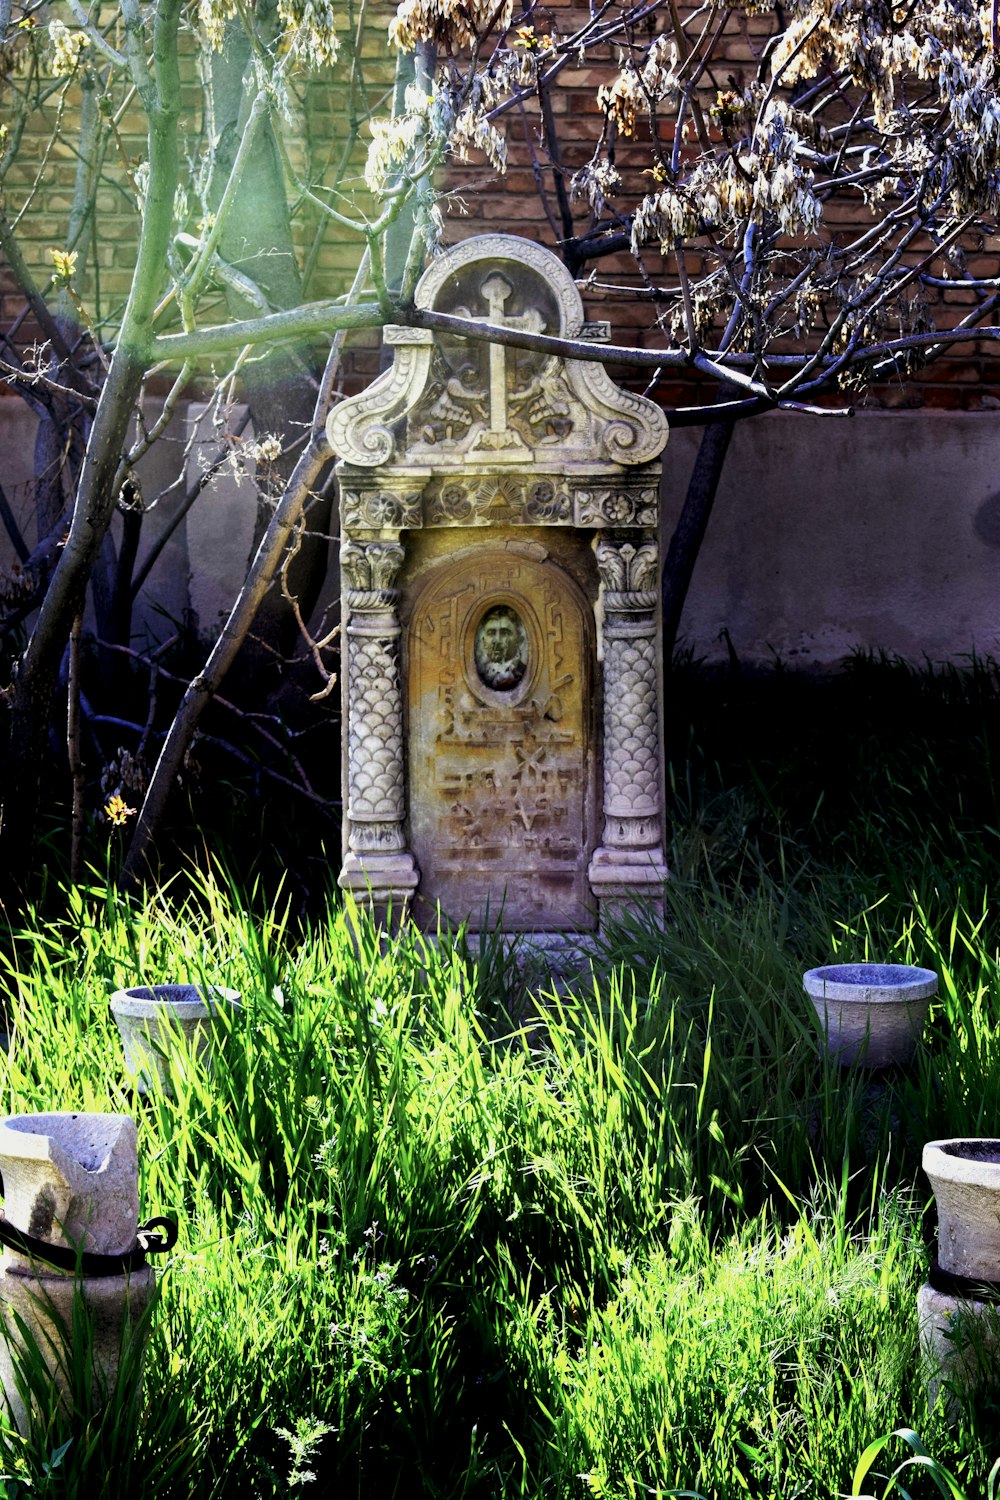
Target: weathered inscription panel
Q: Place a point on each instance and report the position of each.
(501, 802)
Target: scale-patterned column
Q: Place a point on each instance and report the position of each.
(630, 861)
(377, 860)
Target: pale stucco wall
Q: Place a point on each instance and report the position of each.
(882, 532)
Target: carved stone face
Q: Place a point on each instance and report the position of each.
(501, 648)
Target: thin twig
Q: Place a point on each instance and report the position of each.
(73, 750)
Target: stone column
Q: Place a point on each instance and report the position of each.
(378, 868)
(629, 864)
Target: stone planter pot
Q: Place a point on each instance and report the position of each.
(71, 1181)
(158, 1019)
(965, 1178)
(960, 1332)
(871, 1013)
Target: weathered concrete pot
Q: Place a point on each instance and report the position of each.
(156, 1019)
(871, 1013)
(70, 1180)
(965, 1177)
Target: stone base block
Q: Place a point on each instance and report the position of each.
(382, 884)
(44, 1305)
(627, 882)
(556, 960)
(959, 1343)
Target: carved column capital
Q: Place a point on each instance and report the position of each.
(370, 568)
(630, 574)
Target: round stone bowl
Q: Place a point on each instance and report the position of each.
(156, 1020)
(871, 1013)
(70, 1179)
(965, 1177)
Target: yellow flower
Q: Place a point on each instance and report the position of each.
(528, 38)
(727, 107)
(65, 264)
(657, 172)
(117, 813)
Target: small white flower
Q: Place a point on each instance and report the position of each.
(68, 48)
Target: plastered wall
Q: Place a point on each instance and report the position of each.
(882, 531)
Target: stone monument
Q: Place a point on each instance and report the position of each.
(502, 667)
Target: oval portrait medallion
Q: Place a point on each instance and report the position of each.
(501, 648)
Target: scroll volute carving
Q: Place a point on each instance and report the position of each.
(363, 430)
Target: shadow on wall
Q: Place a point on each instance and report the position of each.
(987, 521)
(833, 535)
(202, 550)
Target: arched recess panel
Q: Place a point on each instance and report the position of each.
(501, 742)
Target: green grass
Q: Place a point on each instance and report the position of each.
(440, 1238)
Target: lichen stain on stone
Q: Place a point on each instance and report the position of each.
(42, 1214)
(500, 771)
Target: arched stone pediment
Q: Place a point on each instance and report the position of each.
(452, 403)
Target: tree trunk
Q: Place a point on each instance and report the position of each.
(689, 533)
(38, 669)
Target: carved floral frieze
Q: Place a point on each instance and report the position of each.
(375, 510)
(617, 505)
(498, 501)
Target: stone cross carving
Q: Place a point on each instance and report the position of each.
(500, 560)
(496, 290)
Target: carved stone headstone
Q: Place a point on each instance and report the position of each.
(500, 578)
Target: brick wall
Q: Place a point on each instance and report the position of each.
(476, 201)
(969, 379)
